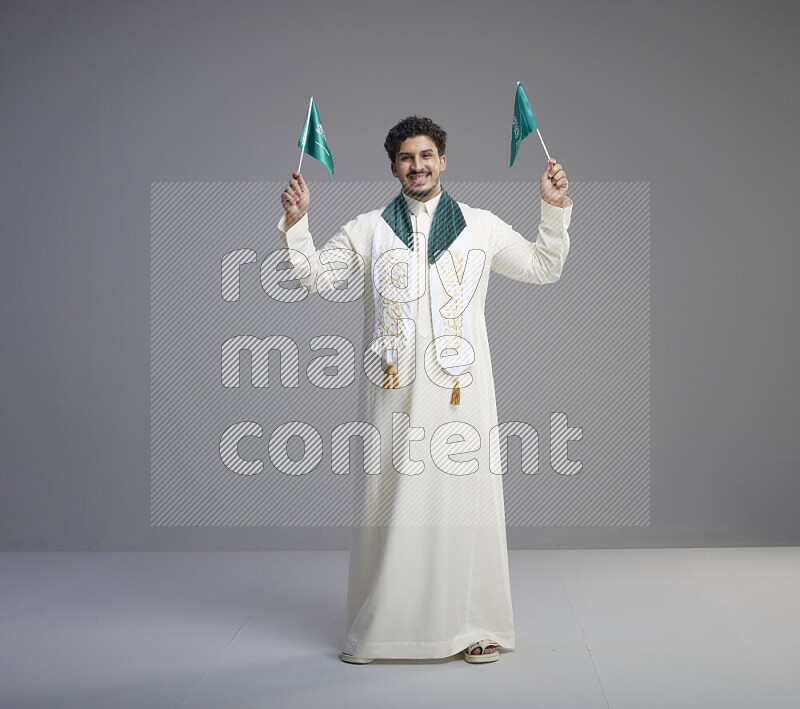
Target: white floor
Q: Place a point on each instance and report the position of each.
(622, 628)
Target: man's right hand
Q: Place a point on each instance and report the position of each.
(295, 199)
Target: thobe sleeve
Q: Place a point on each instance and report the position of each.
(321, 271)
(533, 262)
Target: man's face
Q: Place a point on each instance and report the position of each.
(417, 165)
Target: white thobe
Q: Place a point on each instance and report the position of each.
(429, 575)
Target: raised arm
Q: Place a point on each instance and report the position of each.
(326, 272)
(540, 261)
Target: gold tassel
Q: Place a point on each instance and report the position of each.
(390, 378)
(456, 396)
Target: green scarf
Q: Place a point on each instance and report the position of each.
(448, 223)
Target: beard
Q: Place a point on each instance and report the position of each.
(420, 192)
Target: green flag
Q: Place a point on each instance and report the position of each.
(312, 139)
(524, 122)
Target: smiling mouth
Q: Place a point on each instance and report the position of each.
(418, 178)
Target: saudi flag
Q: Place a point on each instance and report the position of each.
(524, 121)
(312, 139)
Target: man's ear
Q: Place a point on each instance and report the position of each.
(443, 163)
(394, 170)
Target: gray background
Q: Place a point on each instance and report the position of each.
(101, 99)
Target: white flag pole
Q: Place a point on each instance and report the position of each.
(543, 145)
(305, 133)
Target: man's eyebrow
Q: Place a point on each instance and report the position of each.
(422, 152)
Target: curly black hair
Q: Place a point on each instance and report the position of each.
(411, 126)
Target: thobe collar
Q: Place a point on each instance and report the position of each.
(446, 224)
(416, 207)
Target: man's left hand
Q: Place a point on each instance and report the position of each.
(553, 183)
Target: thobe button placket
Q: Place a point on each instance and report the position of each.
(423, 310)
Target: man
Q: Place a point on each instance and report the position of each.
(428, 574)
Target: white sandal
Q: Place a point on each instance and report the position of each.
(353, 660)
(481, 657)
